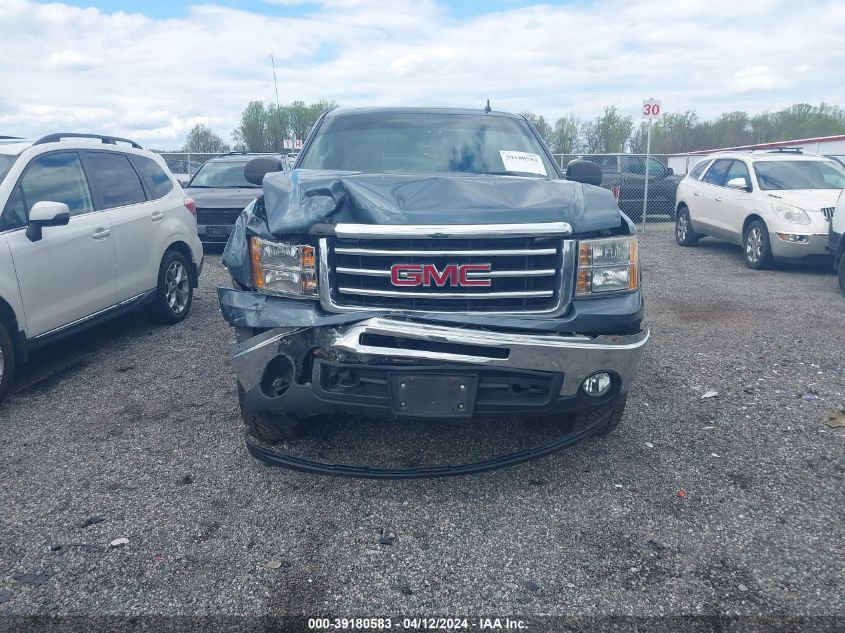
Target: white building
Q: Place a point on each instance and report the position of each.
(826, 145)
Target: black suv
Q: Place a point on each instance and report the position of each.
(221, 192)
(627, 172)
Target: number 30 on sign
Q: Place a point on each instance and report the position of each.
(651, 109)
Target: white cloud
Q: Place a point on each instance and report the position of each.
(72, 60)
(125, 73)
(754, 79)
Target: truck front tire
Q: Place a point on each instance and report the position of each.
(842, 274)
(7, 360)
(273, 428)
(612, 412)
(270, 428)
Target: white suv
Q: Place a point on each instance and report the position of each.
(775, 204)
(90, 226)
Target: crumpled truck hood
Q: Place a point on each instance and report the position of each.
(296, 200)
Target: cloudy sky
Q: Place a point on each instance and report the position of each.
(150, 70)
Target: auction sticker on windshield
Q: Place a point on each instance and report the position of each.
(524, 162)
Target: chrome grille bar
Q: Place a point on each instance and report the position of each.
(370, 292)
(369, 272)
(439, 231)
(342, 250)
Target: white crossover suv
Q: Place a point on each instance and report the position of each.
(90, 226)
(775, 204)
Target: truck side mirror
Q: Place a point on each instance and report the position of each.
(257, 168)
(584, 171)
(46, 213)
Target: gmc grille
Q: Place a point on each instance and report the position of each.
(526, 273)
(217, 216)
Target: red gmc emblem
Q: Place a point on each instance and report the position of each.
(430, 275)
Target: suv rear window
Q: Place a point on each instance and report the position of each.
(158, 182)
(696, 171)
(115, 179)
(716, 174)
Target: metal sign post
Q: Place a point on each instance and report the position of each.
(651, 110)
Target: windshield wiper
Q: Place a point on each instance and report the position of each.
(511, 173)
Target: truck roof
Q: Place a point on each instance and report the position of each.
(415, 110)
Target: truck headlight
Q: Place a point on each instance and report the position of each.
(790, 213)
(607, 265)
(278, 268)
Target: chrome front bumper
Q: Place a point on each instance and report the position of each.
(574, 356)
(815, 244)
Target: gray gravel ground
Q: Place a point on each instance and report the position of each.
(134, 429)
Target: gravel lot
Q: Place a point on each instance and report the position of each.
(733, 504)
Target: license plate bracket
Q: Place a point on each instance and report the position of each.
(433, 395)
(217, 231)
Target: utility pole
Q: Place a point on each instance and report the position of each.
(278, 109)
(647, 161)
(275, 83)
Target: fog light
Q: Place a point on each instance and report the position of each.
(598, 384)
(278, 376)
(792, 237)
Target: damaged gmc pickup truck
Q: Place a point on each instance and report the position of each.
(430, 263)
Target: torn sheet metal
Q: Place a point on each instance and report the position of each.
(595, 315)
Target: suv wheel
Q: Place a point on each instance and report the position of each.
(758, 249)
(7, 361)
(684, 233)
(174, 291)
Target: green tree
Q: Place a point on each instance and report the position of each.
(264, 128)
(608, 133)
(566, 136)
(671, 133)
(541, 125)
(202, 140)
(252, 133)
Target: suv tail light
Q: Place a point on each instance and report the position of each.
(191, 206)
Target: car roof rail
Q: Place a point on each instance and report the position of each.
(785, 150)
(108, 140)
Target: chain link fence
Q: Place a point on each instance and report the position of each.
(625, 176)
(185, 164)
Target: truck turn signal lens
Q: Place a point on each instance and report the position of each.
(607, 265)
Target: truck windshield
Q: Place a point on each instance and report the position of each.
(799, 174)
(221, 174)
(413, 142)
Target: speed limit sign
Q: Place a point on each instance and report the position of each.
(651, 109)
